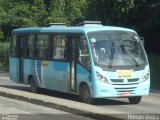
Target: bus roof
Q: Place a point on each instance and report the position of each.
(66, 29)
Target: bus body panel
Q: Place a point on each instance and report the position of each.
(28, 69)
(47, 74)
(83, 76)
(55, 75)
(14, 69)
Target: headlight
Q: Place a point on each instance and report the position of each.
(146, 77)
(101, 77)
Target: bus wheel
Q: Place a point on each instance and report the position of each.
(33, 86)
(85, 95)
(135, 100)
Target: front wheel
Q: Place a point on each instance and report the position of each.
(85, 95)
(135, 100)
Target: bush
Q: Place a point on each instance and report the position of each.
(154, 61)
(4, 54)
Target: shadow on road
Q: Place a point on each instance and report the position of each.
(67, 96)
(23, 88)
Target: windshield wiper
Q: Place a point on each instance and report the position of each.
(136, 63)
(126, 52)
(111, 56)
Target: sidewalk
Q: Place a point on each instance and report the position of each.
(74, 107)
(4, 74)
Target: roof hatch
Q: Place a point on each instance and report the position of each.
(90, 23)
(55, 25)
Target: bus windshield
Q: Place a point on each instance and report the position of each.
(117, 48)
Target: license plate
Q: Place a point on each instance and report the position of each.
(126, 94)
(124, 73)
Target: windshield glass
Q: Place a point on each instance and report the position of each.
(116, 48)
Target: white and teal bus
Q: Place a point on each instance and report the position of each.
(92, 61)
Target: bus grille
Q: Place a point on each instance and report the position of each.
(124, 82)
(117, 80)
(126, 89)
(133, 80)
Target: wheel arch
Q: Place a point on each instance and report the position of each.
(81, 86)
(29, 78)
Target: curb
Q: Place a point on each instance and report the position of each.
(91, 113)
(4, 72)
(155, 91)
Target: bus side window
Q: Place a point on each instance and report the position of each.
(59, 47)
(14, 46)
(84, 53)
(30, 51)
(43, 46)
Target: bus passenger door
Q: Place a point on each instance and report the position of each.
(72, 58)
(13, 59)
(16, 58)
(21, 40)
(79, 62)
(83, 67)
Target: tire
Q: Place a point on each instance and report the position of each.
(135, 100)
(33, 86)
(85, 95)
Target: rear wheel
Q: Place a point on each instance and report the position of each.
(135, 100)
(33, 86)
(85, 95)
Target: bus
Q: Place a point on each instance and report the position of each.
(90, 60)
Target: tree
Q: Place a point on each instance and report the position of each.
(14, 17)
(38, 12)
(67, 10)
(57, 11)
(110, 12)
(21, 14)
(76, 10)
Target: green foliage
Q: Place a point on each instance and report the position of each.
(57, 11)
(31, 13)
(1, 36)
(154, 61)
(38, 12)
(136, 14)
(66, 11)
(111, 12)
(4, 54)
(76, 9)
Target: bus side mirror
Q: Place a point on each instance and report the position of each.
(142, 39)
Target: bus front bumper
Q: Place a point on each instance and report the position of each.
(109, 90)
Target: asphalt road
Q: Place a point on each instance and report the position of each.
(149, 104)
(20, 110)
